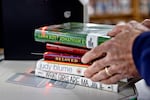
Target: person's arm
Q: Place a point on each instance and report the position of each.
(141, 55)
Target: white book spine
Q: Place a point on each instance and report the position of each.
(78, 80)
(59, 67)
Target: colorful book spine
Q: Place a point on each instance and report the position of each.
(63, 67)
(66, 49)
(77, 80)
(62, 57)
(80, 40)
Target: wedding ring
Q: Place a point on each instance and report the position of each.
(107, 72)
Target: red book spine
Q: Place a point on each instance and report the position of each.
(66, 49)
(62, 57)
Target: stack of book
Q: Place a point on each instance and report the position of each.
(65, 45)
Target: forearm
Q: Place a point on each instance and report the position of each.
(141, 55)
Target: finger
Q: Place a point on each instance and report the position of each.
(138, 26)
(93, 54)
(96, 67)
(112, 80)
(117, 29)
(146, 23)
(114, 69)
(101, 75)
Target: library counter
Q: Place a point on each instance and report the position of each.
(11, 91)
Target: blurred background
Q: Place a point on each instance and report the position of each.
(114, 11)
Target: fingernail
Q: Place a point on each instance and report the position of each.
(83, 60)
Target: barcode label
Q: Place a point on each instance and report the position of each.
(91, 41)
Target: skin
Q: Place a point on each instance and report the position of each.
(115, 54)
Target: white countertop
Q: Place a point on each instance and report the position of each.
(10, 91)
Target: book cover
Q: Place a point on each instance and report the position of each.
(78, 80)
(66, 49)
(63, 67)
(62, 57)
(86, 35)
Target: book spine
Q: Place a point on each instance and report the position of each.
(79, 40)
(66, 49)
(59, 67)
(77, 80)
(62, 57)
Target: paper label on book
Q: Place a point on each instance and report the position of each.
(91, 41)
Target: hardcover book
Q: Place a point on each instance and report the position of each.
(62, 57)
(86, 35)
(66, 49)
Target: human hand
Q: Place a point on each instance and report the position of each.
(112, 60)
(146, 23)
(144, 26)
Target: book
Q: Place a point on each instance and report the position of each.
(62, 57)
(62, 67)
(66, 49)
(86, 35)
(77, 80)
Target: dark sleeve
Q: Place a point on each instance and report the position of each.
(141, 55)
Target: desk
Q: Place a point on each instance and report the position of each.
(9, 91)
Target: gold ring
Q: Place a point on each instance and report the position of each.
(107, 72)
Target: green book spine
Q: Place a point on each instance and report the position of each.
(74, 37)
